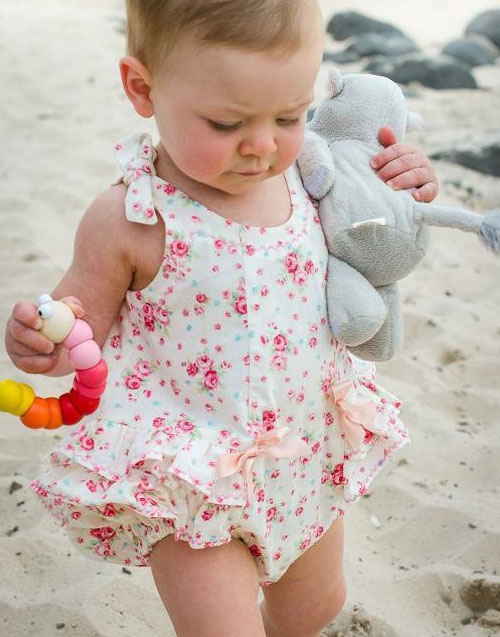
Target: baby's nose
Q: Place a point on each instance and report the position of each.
(259, 142)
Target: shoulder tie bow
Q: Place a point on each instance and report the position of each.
(270, 444)
(135, 155)
(355, 418)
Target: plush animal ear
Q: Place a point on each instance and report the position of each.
(336, 82)
(414, 121)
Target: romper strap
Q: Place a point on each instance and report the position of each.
(135, 155)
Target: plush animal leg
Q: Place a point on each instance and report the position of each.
(356, 310)
(389, 339)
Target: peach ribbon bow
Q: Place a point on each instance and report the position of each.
(270, 444)
(355, 418)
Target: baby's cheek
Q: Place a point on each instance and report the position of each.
(290, 148)
(203, 160)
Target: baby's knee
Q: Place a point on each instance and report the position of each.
(330, 607)
(336, 603)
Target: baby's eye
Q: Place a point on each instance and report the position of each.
(224, 127)
(288, 121)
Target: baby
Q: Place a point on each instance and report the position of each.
(235, 430)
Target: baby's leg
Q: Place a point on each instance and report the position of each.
(210, 591)
(311, 592)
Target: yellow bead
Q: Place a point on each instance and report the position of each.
(26, 400)
(10, 394)
(15, 398)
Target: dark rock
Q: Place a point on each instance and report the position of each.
(438, 73)
(487, 24)
(14, 486)
(344, 57)
(485, 159)
(348, 23)
(375, 44)
(474, 50)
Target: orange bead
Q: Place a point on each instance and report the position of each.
(55, 415)
(37, 415)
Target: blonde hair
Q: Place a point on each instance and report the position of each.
(155, 26)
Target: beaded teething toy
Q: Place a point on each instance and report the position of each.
(60, 326)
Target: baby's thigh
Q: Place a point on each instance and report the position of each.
(312, 591)
(207, 592)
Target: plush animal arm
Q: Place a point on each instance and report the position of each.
(316, 165)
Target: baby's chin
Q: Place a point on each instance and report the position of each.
(235, 183)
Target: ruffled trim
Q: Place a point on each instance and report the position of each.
(369, 420)
(118, 454)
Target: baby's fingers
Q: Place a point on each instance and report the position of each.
(75, 304)
(23, 340)
(425, 193)
(391, 154)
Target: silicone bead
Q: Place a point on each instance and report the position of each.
(37, 415)
(57, 327)
(70, 415)
(94, 376)
(55, 414)
(15, 398)
(82, 404)
(85, 355)
(89, 392)
(80, 333)
(26, 400)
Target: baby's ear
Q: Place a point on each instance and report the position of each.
(414, 121)
(336, 82)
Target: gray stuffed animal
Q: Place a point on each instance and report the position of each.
(375, 235)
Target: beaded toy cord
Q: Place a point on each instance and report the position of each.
(60, 326)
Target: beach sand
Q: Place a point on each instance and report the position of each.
(431, 522)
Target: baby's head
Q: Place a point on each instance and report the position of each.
(228, 82)
(154, 27)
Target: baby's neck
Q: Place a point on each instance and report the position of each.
(268, 204)
(211, 197)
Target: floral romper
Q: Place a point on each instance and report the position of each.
(230, 409)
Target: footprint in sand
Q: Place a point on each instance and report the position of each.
(482, 595)
(356, 622)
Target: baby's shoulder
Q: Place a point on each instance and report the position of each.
(140, 245)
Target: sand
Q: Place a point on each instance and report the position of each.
(431, 522)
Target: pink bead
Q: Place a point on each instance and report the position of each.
(85, 355)
(89, 392)
(94, 376)
(81, 332)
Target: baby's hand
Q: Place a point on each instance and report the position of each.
(28, 349)
(404, 166)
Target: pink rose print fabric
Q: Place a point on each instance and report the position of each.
(230, 409)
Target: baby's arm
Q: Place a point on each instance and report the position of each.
(99, 276)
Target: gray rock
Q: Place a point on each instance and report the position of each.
(369, 44)
(485, 159)
(439, 73)
(487, 24)
(348, 23)
(474, 50)
(344, 57)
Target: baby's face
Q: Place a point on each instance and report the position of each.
(230, 118)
